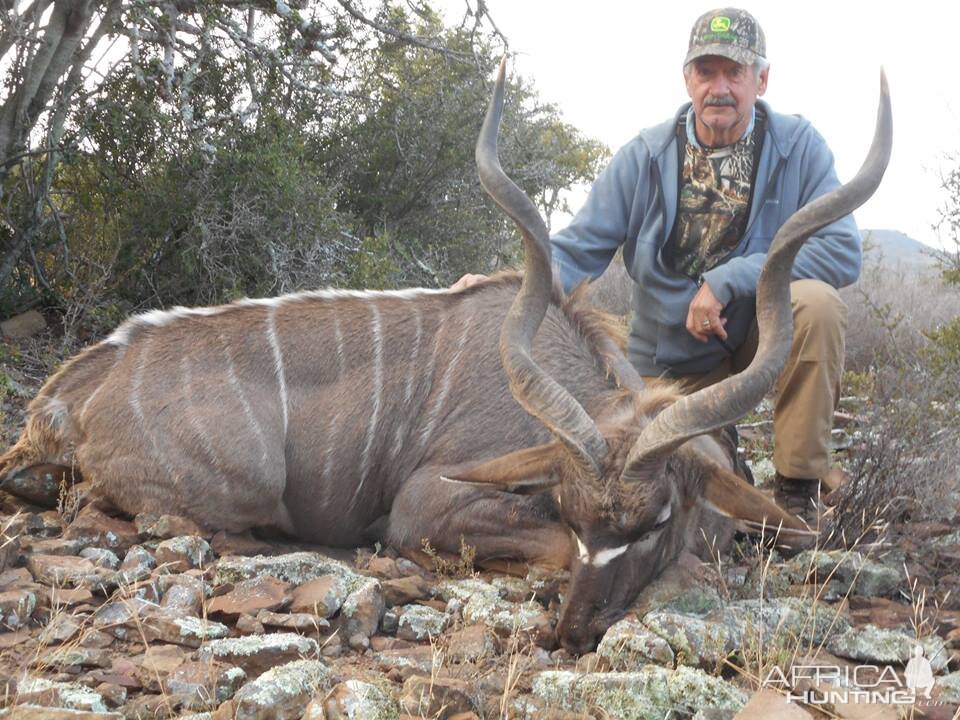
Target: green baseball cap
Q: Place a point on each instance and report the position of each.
(728, 32)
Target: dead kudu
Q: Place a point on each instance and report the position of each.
(346, 416)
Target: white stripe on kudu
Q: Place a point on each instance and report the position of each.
(277, 360)
(377, 396)
(445, 383)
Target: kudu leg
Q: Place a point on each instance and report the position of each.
(499, 525)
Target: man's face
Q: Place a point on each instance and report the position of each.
(723, 93)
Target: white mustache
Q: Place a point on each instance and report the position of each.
(720, 102)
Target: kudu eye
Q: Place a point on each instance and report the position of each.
(663, 518)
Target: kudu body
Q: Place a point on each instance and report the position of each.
(343, 416)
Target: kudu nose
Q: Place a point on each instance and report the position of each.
(577, 638)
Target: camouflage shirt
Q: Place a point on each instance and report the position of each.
(714, 203)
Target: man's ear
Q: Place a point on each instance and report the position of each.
(524, 470)
(730, 495)
(762, 81)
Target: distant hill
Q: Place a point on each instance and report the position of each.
(896, 248)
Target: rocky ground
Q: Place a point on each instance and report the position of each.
(107, 616)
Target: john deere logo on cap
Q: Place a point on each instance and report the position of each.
(720, 24)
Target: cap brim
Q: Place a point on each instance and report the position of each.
(737, 54)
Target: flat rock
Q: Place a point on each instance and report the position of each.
(67, 570)
(204, 685)
(846, 570)
(156, 663)
(135, 617)
(354, 699)
(137, 565)
(73, 696)
(870, 643)
(281, 693)
(294, 568)
(35, 486)
(256, 654)
(770, 705)
(653, 692)
(436, 697)
(694, 641)
(419, 622)
(96, 529)
(404, 590)
(164, 527)
(101, 557)
(472, 643)
(250, 596)
(322, 596)
(183, 553)
(37, 712)
(305, 623)
(628, 645)
(73, 659)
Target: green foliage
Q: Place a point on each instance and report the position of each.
(370, 184)
(943, 353)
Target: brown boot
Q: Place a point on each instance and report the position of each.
(798, 496)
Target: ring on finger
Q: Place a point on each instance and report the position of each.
(706, 323)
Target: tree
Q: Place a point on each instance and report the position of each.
(276, 151)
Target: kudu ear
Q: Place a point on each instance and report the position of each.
(730, 495)
(526, 470)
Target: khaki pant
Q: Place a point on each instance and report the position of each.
(808, 389)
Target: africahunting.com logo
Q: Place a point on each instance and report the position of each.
(833, 685)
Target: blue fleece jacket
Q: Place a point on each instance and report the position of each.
(634, 202)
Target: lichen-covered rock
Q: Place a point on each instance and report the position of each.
(870, 643)
(472, 643)
(783, 617)
(67, 570)
(949, 688)
(420, 622)
(466, 589)
(628, 645)
(204, 685)
(687, 587)
(101, 557)
(283, 692)
(650, 693)
(436, 697)
(694, 641)
(846, 570)
(183, 553)
(355, 700)
(405, 590)
(504, 616)
(136, 566)
(361, 611)
(131, 617)
(258, 653)
(73, 659)
(294, 568)
(250, 596)
(322, 596)
(95, 529)
(306, 623)
(163, 527)
(37, 712)
(39, 691)
(16, 607)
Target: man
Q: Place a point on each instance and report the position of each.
(695, 203)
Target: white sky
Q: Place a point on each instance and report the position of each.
(615, 67)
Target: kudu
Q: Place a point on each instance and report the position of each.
(341, 416)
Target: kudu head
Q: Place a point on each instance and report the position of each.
(630, 487)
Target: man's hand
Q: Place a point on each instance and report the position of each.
(703, 316)
(467, 280)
